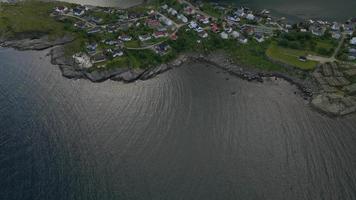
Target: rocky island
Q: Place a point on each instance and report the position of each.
(138, 43)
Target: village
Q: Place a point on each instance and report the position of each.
(115, 37)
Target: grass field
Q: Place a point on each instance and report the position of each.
(29, 17)
(290, 57)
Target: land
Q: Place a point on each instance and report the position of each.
(138, 43)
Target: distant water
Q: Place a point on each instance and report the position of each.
(340, 10)
(192, 133)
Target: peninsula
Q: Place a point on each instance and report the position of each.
(99, 43)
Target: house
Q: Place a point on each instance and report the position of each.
(240, 12)
(352, 56)
(61, 10)
(125, 38)
(336, 26)
(153, 23)
(336, 35)
(353, 41)
(317, 30)
(166, 21)
(243, 40)
(248, 30)
(214, 27)
(228, 29)
(78, 11)
(199, 29)
(348, 29)
(164, 7)
(117, 53)
(144, 37)
(172, 12)
(182, 18)
(98, 58)
(250, 17)
(235, 34)
(203, 19)
(96, 20)
(162, 49)
(80, 25)
(203, 34)
(91, 48)
(189, 10)
(224, 35)
(193, 25)
(159, 34)
(303, 30)
(259, 37)
(233, 18)
(302, 58)
(94, 30)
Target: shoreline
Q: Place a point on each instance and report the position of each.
(308, 89)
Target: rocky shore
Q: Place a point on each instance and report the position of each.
(35, 43)
(70, 69)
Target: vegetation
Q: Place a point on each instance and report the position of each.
(29, 17)
(211, 10)
(290, 57)
(307, 42)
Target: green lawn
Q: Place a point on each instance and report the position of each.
(290, 57)
(29, 17)
(132, 44)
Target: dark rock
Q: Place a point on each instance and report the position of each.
(41, 43)
(127, 76)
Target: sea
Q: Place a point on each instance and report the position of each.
(194, 132)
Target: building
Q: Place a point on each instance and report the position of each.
(259, 38)
(336, 35)
(203, 34)
(162, 49)
(214, 27)
(224, 35)
(144, 37)
(159, 34)
(125, 38)
(353, 41)
(117, 53)
(235, 34)
(98, 58)
(182, 18)
(250, 17)
(78, 11)
(317, 30)
(243, 40)
(91, 48)
(61, 10)
(193, 25)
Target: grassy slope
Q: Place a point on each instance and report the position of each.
(29, 17)
(290, 57)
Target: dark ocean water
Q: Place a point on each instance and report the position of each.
(192, 133)
(339, 10)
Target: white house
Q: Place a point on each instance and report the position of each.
(250, 17)
(235, 34)
(224, 35)
(243, 40)
(193, 25)
(61, 9)
(203, 34)
(144, 37)
(183, 18)
(353, 41)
